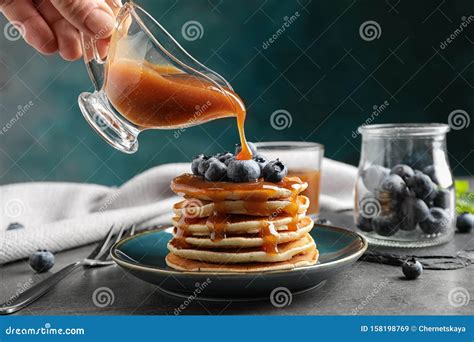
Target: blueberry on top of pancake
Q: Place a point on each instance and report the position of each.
(225, 167)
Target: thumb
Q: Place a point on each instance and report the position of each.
(92, 17)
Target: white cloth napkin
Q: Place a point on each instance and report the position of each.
(58, 216)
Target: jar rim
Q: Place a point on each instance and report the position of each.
(404, 129)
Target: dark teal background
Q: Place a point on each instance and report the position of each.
(319, 70)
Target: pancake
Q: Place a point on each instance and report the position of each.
(239, 224)
(244, 255)
(249, 241)
(300, 260)
(196, 187)
(196, 208)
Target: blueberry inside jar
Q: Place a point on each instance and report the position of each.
(404, 195)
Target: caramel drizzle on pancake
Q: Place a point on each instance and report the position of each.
(256, 195)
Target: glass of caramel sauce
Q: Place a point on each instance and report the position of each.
(145, 80)
(303, 160)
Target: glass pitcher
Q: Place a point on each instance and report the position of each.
(146, 80)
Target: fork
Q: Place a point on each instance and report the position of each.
(100, 256)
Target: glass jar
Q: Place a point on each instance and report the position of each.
(404, 195)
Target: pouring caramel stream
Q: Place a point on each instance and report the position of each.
(161, 96)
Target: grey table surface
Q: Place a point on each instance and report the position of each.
(364, 289)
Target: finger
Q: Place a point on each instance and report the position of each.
(93, 17)
(67, 36)
(34, 28)
(69, 40)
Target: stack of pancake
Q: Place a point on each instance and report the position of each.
(240, 227)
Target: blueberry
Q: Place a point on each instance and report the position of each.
(430, 172)
(414, 211)
(252, 148)
(241, 171)
(261, 160)
(421, 210)
(216, 172)
(394, 185)
(421, 185)
(195, 164)
(227, 161)
(274, 171)
(364, 223)
(465, 222)
(412, 268)
(437, 221)
(204, 164)
(403, 171)
(373, 176)
(385, 225)
(222, 157)
(442, 199)
(42, 261)
(15, 225)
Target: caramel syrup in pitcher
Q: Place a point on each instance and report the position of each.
(155, 96)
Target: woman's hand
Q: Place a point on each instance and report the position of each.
(54, 25)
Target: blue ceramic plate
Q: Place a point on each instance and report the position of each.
(143, 255)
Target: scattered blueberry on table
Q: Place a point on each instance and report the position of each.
(224, 167)
(412, 268)
(42, 261)
(465, 222)
(15, 225)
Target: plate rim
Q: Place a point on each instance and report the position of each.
(353, 257)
